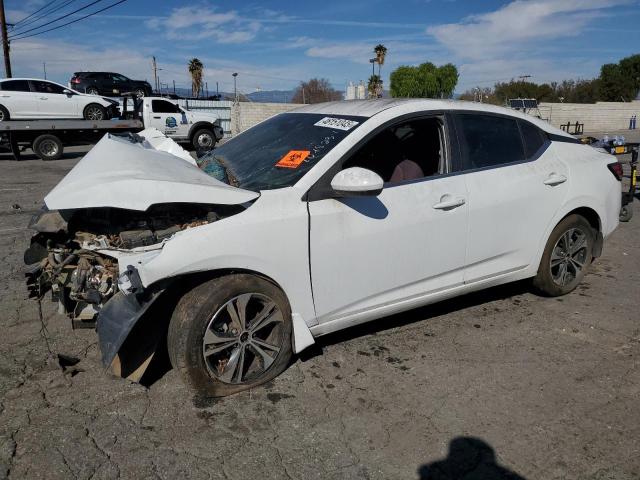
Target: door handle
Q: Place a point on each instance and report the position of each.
(448, 203)
(555, 179)
(44, 98)
(156, 117)
(5, 96)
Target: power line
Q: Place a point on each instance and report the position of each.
(54, 21)
(69, 23)
(33, 13)
(17, 27)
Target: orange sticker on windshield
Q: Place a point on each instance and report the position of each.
(293, 159)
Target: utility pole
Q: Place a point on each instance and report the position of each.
(217, 91)
(155, 70)
(303, 99)
(235, 87)
(5, 41)
(44, 69)
(174, 87)
(206, 89)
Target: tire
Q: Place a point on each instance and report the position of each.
(140, 92)
(566, 273)
(626, 213)
(203, 139)
(4, 114)
(92, 91)
(47, 147)
(204, 338)
(94, 111)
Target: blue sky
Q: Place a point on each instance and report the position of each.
(276, 44)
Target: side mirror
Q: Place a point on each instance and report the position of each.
(66, 91)
(357, 181)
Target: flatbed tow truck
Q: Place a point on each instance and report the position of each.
(47, 138)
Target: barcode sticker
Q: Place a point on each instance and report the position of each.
(338, 123)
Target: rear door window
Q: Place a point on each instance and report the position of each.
(46, 87)
(15, 86)
(533, 138)
(488, 140)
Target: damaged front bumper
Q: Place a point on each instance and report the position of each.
(116, 323)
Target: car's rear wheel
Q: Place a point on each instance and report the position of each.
(93, 111)
(204, 139)
(230, 334)
(140, 92)
(92, 91)
(47, 147)
(4, 114)
(566, 257)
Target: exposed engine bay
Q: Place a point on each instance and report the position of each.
(74, 254)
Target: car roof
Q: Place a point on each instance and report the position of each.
(32, 79)
(369, 108)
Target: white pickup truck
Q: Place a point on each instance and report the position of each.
(47, 138)
(200, 129)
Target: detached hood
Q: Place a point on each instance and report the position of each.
(121, 173)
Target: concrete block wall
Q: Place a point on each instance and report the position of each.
(597, 117)
(245, 115)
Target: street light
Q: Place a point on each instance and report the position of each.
(235, 86)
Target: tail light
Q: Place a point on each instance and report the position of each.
(75, 80)
(616, 169)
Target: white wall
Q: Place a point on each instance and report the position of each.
(597, 117)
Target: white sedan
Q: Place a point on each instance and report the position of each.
(30, 98)
(313, 221)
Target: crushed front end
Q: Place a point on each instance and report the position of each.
(87, 259)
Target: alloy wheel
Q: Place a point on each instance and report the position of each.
(94, 113)
(569, 256)
(243, 338)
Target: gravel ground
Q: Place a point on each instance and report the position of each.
(497, 383)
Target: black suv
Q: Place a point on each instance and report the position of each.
(108, 83)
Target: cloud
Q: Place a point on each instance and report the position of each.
(517, 24)
(199, 23)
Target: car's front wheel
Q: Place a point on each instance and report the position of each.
(204, 140)
(140, 92)
(566, 257)
(92, 91)
(230, 334)
(94, 111)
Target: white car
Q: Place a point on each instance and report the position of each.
(30, 98)
(313, 221)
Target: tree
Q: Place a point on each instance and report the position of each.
(380, 52)
(424, 81)
(620, 81)
(374, 86)
(196, 69)
(316, 90)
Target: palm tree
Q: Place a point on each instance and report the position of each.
(196, 68)
(375, 86)
(381, 52)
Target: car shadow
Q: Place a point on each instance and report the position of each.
(418, 314)
(468, 457)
